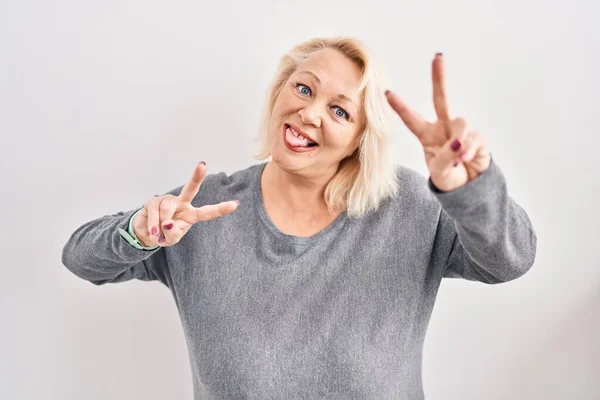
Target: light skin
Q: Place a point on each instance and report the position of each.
(293, 184)
(321, 98)
(455, 154)
(164, 220)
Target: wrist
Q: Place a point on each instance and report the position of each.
(136, 231)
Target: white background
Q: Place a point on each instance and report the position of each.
(104, 104)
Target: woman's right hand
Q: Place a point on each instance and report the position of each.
(164, 220)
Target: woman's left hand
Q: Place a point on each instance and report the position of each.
(454, 154)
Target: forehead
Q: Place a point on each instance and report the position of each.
(335, 71)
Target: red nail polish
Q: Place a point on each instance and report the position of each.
(455, 145)
(168, 226)
(438, 54)
(154, 230)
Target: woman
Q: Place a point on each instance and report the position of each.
(322, 282)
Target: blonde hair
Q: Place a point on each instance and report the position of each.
(368, 176)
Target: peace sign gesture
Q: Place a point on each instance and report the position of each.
(164, 220)
(454, 154)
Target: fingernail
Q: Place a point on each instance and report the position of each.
(455, 164)
(202, 162)
(438, 54)
(161, 238)
(455, 145)
(154, 231)
(238, 202)
(386, 92)
(168, 226)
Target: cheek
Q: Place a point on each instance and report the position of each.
(341, 139)
(285, 102)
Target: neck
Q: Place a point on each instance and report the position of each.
(299, 194)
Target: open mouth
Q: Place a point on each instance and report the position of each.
(295, 141)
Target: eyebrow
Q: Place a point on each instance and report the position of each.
(339, 96)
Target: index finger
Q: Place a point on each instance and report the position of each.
(213, 211)
(438, 76)
(190, 190)
(411, 118)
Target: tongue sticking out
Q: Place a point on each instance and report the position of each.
(294, 140)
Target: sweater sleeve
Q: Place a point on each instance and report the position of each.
(492, 237)
(131, 237)
(102, 251)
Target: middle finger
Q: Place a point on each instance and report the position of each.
(438, 77)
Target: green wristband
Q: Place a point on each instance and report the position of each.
(130, 236)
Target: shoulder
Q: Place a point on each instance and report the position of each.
(414, 192)
(408, 177)
(223, 186)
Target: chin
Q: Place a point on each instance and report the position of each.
(286, 162)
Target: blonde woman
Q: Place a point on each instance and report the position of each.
(314, 275)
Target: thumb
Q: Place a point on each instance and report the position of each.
(448, 156)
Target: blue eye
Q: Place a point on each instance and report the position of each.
(303, 89)
(340, 112)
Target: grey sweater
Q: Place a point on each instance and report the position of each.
(338, 315)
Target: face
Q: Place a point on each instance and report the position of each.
(317, 115)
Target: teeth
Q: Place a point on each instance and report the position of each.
(300, 136)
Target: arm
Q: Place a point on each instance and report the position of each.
(99, 253)
(106, 250)
(131, 237)
(490, 236)
(493, 238)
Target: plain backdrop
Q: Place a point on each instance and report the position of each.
(105, 103)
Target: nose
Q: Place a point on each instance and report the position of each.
(310, 115)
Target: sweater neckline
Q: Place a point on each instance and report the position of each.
(335, 225)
